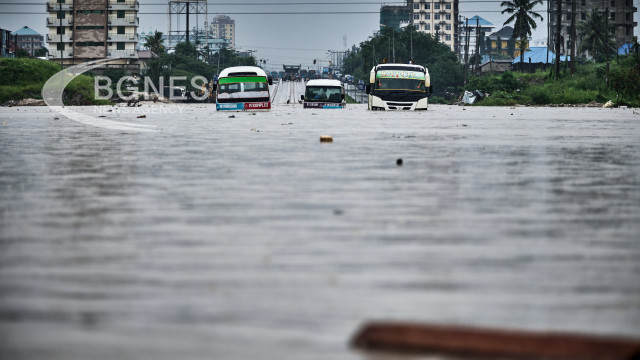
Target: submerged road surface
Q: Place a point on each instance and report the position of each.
(246, 238)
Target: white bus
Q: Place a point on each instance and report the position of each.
(399, 87)
(324, 94)
(243, 88)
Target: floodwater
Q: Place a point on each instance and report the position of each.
(247, 238)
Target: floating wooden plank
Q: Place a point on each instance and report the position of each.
(406, 337)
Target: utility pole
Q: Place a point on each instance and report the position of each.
(466, 49)
(187, 32)
(573, 36)
(548, 28)
(411, 34)
(477, 56)
(558, 31)
(394, 44)
(61, 43)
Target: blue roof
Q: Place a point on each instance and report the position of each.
(25, 31)
(625, 49)
(539, 55)
(481, 21)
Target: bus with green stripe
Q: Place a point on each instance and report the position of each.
(243, 88)
(399, 87)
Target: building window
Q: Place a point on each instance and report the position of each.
(60, 14)
(583, 17)
(447, 6)
(60, 29)
(60, 1)
(447, 37)
(448, 27)
(436, 16)
(416, 6)
(89, 43)
(89, 11)
(447, 16)
(121, 0)
(613, 3)
(427, 6)
(120, 46)
(568, 16)
(120, 14)
(121, 30)
(60, 46)
(416, 16)
(613, 16)
(436, 6)
(629, 15)
(427, 26)
(427, 16)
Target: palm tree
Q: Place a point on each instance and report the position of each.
(155, 43)
(522, 12)
(596, 36)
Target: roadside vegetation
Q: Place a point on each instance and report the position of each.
(587, 85)
(444, 68)
(187, 61)
(23, 78)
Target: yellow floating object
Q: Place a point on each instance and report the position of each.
(326, 138)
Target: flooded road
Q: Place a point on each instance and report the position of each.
(245, 238)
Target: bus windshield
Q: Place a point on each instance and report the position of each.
(323, 93)
(400, 80)
(243, 87)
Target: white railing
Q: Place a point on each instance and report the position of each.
(56, 38)
(132, 54)
(51, 21)
(123, 37)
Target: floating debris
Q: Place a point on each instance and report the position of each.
(326, 138)
(232, 116)
(399, 162)
(142, 116)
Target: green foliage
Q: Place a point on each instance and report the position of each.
(155, 43)
(24, 78)
(42, 52)
(444, 68)
(18, 72)
(586, 85)
(22, 53)
(187, 49)
(596, 35)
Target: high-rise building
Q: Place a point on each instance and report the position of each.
(619, 12)
(438, 18)
(29, 40)
(223, 27)
(84, 30)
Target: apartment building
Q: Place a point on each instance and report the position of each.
(438, 18)
(223, 27)
(29, 40)
(84, 30)
(619, 12)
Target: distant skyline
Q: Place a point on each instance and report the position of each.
(281, 38)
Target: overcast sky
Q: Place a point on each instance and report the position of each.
(278, 38)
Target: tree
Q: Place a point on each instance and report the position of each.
(155, 43)
(595, 33)
(22, 53)
(42, 52)
(522, 13)
(186, 49)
